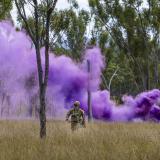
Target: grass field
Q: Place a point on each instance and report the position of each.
(19, 140)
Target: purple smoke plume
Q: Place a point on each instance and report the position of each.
(68, 81)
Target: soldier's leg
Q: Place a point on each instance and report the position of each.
(73, 126)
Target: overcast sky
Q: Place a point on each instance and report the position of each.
(62, 4)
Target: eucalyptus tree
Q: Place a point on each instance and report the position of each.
(36, 31)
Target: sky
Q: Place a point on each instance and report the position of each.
(62, 4)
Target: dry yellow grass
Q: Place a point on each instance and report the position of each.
(19, 140)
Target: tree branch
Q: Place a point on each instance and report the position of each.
(25, 21)
(49, 12)
(110, 81)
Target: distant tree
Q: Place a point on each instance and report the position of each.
(71, 26)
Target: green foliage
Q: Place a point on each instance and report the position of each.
(70, 28)
(5, 8)
(132, 29)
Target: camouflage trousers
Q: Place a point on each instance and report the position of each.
(75, 125)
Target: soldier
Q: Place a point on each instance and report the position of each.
(77, 116)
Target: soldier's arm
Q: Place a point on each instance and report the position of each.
(68, 115)
(83, 119)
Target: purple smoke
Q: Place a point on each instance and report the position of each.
(68, 81)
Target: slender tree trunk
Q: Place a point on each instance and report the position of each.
(89, 93)
(156, 74)
(148, 76)
(42, 114)
(156, 62)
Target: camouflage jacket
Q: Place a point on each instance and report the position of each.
(77, 116)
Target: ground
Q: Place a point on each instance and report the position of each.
(19, 140)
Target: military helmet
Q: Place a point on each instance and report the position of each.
(77, 103)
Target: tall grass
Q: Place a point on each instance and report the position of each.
(19, 140)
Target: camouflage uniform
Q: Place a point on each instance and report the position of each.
(77, 116)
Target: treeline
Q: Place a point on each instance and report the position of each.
(127, 31)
